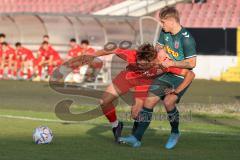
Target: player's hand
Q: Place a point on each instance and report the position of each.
(169, 91)
(167, 63)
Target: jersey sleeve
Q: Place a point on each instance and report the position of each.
(161, 39)
(126, 54)
(189, 47)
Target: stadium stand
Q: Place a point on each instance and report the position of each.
(54, 6)
(212, 14)
(135, 8)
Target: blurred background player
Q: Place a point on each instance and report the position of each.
(96, 65)
(8, 59)
(24, 61)
(75, 50)
(48, 59)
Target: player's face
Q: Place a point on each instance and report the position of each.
(18, 47)
(84, 46)
(45, 46)
(4, 48)
(167, 24)
(2, 39)
(144, 64)
(72, 44)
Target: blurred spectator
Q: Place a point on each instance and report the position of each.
(47, 58)
(94, 67)
(2, 39)
(75, 50)
(8, 57)
(24, 61)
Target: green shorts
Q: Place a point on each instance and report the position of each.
(172, 79)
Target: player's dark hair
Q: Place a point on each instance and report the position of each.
(4, 44)
(85, 41)
(44, 42)
(72, 40)
(168, 11)
(45, 36)
(18, 44)
(146, 52)
(2, 35)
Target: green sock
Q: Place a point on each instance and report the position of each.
(144, 119)
(173, 117)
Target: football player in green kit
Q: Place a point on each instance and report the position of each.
(179, 45)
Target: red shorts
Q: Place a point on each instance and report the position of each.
(140, 85)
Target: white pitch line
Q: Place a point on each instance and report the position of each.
(81, 122)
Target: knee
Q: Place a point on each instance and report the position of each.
(151, 101)
(169, 101)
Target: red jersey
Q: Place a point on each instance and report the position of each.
(49, 53)
(24, 54)
(88, 51)
(10, 52)
(74, 52)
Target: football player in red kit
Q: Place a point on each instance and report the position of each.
(47, 57)
(94, 67)
(75, 49)
(8, 56)
(24, 61)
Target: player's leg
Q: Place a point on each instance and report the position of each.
(29, 67)
(1, 67)
(142, 122)
(169, 102)
(15, 68)
(97, 66)
(173, 117)
(109, 111)
(119, 86)
(141, 113)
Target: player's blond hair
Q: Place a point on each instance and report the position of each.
(168, 11)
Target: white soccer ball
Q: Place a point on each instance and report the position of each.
(42, 135)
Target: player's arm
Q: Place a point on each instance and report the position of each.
(187, 63)
(188, 78)
(103, 53)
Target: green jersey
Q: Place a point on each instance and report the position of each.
(179, 46)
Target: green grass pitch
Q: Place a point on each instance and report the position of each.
(212, 132)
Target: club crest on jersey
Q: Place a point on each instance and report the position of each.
(176, 44)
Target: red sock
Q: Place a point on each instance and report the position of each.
(29, 74)
(50, 70)
(40, 71)
(9, 71)
(15, 73)
(110, 113)
(21, 74)
(1, 71)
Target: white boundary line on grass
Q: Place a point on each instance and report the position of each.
(77, 122)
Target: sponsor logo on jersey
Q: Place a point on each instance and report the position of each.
(170, 51)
